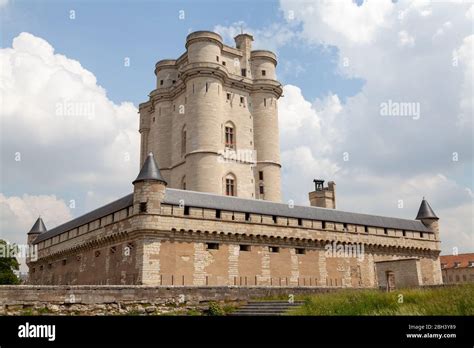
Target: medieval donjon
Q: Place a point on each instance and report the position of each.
(206, 208)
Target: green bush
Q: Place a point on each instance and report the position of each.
(215, 309)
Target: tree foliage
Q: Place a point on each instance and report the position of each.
(8, 265)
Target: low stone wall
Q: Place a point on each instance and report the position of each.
(118, 299)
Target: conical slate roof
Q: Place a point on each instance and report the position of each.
(425, 211)
(38, 227)
(149, 171)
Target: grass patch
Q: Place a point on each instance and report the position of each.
(455, 300)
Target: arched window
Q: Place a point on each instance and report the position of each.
(230, 185)
(229, 135)
(183, 141)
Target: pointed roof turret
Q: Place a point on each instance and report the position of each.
(38, 227)
(150, 171)
(425, 211)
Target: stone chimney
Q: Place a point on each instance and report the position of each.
(323, 197)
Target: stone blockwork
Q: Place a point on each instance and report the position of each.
(87, 300)
(201, 249)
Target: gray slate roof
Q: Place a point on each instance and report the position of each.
(211, 201)
(149, 171)
(38, 227)
(425, 211)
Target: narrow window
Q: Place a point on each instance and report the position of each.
(247, 216)
(218, 214)
(385, 231)
(143, 207)
(324, 225)
(404, 233)
(244, 247)
(193, 88)
(41, 267)
(229, 187)
(300, 251)
(265, 102)
(161, 82)
(264, 73)
(207, 87)
(153, 119)
(212, 246)
(183, 142)
(244, 72)
(229, 137)
(260, 175)
(174, 81)
(344, 226)
(223, 63)
(262, 190)
(421, 234)
(228, 96)
(274, 249)
(64, 262)
(186, 210)
(366, 229)
(274, 219)
(217, 58)
(242, 100)
(300, 222)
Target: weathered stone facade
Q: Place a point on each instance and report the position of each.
(163, 236)
(208, 89)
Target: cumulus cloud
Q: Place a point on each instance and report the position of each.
(413, 52)
(61, 135)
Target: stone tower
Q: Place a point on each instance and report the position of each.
(212, 121)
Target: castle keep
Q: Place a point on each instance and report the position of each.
(213, 102)
(202, 212)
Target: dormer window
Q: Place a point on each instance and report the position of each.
(470, 264)
(457, 264)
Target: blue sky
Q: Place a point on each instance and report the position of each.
(105, 32)
(339, 61)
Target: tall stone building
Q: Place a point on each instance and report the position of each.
(201, 215)
(212, 105)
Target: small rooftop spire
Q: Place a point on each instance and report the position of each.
(425, 211)
(38, 227)
(150, 171)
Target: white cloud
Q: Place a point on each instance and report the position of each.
(405, 38)
(390, 158)
(18, 214)
(341, 19)
(61, 135)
